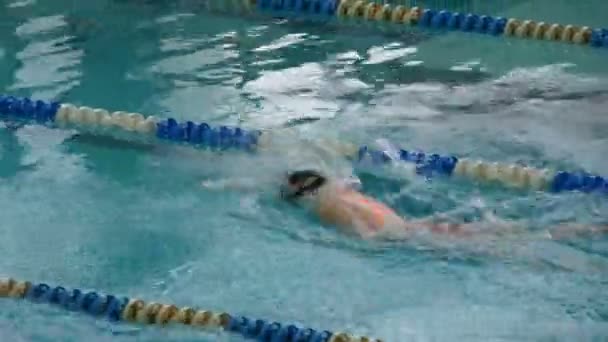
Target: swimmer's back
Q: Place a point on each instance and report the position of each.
(351, 210)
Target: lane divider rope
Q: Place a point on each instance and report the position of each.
(510, 175)
(202, 134)
(224, 137)
(136, 311)
(431, 19)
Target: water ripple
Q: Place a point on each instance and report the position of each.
(49, 65)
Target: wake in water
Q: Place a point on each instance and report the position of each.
(549, 83)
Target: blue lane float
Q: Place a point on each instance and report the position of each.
(202, 134)
(131, 310)
(323, 8)
(599, 38)
(463, 22)
(25, 108)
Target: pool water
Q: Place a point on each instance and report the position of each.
(134, 220)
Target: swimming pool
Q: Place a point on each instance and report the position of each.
(134, 221)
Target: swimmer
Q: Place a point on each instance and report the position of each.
(340, 204)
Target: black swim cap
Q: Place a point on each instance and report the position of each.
(306, 182)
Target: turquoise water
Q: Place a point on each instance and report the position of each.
(134, 220)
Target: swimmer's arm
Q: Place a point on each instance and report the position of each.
(235, 184)
(106, 141)
(441, 227)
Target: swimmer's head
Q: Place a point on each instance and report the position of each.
(301, 183)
